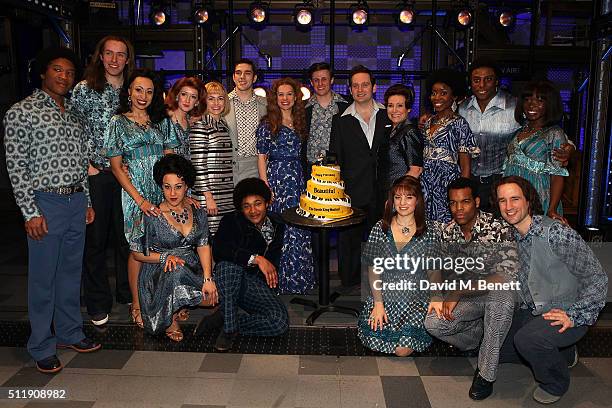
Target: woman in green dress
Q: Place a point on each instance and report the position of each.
(133, 139)
(530, 153)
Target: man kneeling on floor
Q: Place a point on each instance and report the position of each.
(246, 250)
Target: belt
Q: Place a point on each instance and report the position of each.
(64, 190)
(487, 179)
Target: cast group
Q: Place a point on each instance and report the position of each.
(201, 177)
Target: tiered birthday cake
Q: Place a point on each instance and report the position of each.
(325, 198)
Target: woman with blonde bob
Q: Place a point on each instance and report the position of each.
(279, 142)
(392, 320)
(211, 155)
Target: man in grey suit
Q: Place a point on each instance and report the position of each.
(245, 111)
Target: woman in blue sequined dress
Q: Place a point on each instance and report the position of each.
(133, 138)
(279, 141)
(392, 320)
(186, 101)
(177, 262)
(448, 143)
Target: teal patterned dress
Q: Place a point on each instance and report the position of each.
(531, 158)
(140, 149)
(406, 309)
(174, 130)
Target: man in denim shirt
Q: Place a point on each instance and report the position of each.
(550, 318)
(46, 158)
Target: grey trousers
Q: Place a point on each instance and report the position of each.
(245, 167)
(485, 317)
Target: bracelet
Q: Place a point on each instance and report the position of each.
(208, 279)
(142, 201)
(163, 257)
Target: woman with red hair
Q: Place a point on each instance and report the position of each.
(279, 142)
(186, 101)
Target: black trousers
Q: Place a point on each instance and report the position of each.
(485, 192)
(349, 246)
(533, 340)
(105, 193)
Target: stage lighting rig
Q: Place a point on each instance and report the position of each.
(160, 14)
(406, 14)
(359, 14)
(258, 13)
(303, 15)
(506, 18)
(203, 13)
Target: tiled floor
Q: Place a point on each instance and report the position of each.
(116, 378)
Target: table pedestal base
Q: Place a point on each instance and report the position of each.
(320, 309)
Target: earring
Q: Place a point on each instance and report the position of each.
(129, 100)
(454, 107)
(177, 98)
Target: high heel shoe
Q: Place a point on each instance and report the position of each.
(136, 316)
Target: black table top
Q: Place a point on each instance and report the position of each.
(291, 217)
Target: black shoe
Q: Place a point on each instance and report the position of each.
(84, 346)
(225, 341)
(211, 322)
(49, 365)
(574, 361)
(480, 388)
(99, 319)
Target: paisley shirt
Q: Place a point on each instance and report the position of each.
(320, 125)
(97, 109)
(45, 148)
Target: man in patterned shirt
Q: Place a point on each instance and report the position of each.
(490, 114)
(245, 111)
(46, 158)
(551, 318)
(471, 318)
(97, 99)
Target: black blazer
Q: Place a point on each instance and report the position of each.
(237, 239)
(358, 162)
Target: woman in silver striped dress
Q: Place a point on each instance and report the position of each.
(211, 155)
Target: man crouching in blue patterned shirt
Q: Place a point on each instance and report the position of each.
(563, 289)
(47, 159)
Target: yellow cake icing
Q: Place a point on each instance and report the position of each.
(325, 198)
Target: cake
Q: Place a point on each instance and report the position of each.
(325, 198)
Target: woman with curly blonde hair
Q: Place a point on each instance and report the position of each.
(279, 143)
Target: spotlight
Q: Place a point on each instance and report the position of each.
(406, 14)
(258, 13)
(159, 14)
(359, 14)
(507, 18)
(465, 18)
(303, 15)
(203, 13)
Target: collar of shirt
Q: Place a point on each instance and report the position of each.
(314, 101)
(352, 110)
(453, 230)
(267, 230)
(50, 102)
(498, 101)
(234, 95)
(535, 228)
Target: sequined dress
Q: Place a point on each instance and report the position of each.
(140, 148)
(174, 130)
(285, 176)
(163, 293)
(531, 158)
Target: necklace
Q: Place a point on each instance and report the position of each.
(405, 228)
(181, 217)
(143, 126)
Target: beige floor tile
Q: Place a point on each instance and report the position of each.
(165, 364)
(318, 391)
(86, 387)
(268, 366)
(361, 391)
(208, 391)
(397, 366)
(141, 389)
(7, 372)
(264, 393)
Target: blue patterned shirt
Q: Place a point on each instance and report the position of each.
(493, 129)
(44, 148)
(320, 125)
(97, 109)
(571, 249)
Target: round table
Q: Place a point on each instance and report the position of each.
(326, 300)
